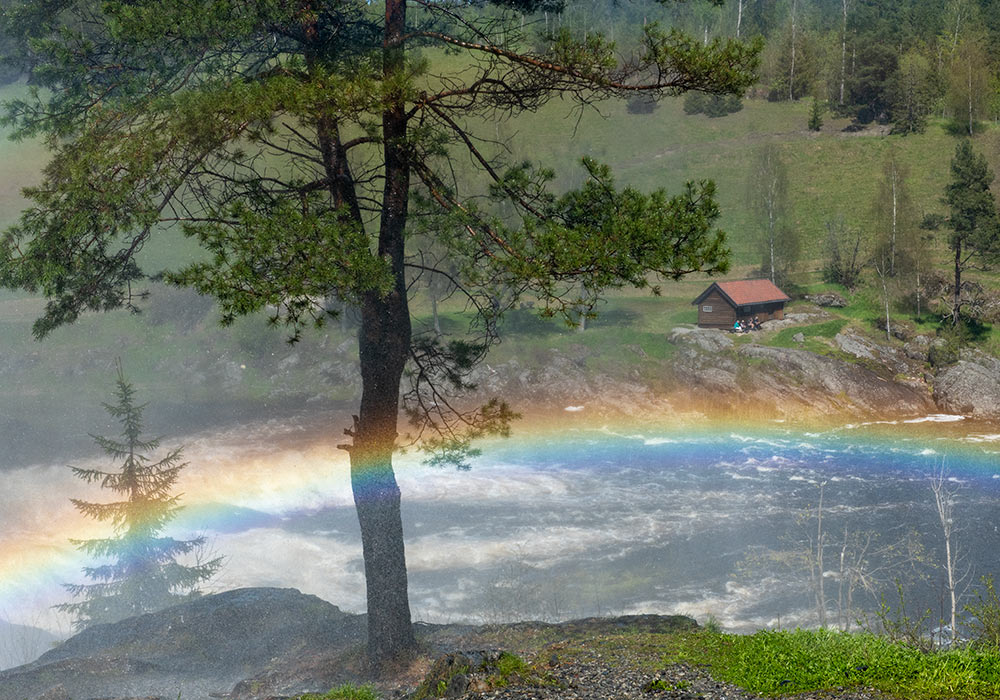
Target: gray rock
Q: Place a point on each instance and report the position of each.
(831, 299)
(795, 319)
(796, 378)
(56, 692)
(867, 349)
(915, 350)
(971, 387)
(707, 339)
(799, 338)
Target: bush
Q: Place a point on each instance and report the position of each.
(641, 103)
(711, 105)
(942, 354)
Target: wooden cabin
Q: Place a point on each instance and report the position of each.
(723, 303)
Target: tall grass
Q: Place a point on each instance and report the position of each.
(800, 661)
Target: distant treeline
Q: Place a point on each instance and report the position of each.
(891, 61)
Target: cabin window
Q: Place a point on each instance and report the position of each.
(707, 309)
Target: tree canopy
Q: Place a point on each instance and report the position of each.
(308, 147)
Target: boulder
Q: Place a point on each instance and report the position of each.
(917, 348)
(970, 387)
(799, 338)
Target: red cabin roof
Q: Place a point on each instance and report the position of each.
(746, 292)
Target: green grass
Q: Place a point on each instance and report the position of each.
(814, 335)
(347, 691)
(780, 663)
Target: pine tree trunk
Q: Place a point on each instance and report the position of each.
(384, 345)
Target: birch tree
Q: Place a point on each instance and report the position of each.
(767, 194)
(955, 573)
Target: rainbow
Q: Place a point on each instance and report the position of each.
(243, 481)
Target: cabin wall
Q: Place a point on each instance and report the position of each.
(720, 313)
(774, 311)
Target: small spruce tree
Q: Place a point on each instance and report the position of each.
(816, 115)
(141, 572)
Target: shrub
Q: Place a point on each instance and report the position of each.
(711, 105)
(985, 615)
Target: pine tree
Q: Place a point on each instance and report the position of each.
(303, 145)
(975, 237)
(816, 115)
(141, 573)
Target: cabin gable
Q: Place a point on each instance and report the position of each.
(715, 311)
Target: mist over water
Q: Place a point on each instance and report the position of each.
(588, 520)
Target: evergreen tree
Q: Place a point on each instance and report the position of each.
(911, 94)
(816, 115)
(975, 237)
(142, 573)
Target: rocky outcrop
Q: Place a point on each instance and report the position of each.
(280, 642)
(200, 647)
(707, 339)
(796, 319)
(791, 377)
(865, 349)
(970, 387)
(789, 382)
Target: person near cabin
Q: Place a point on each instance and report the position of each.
(736, 326)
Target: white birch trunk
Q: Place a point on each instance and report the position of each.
(944, 501)
(843, 52)
(791, 69)
(892, 241)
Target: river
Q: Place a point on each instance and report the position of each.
(571, 519)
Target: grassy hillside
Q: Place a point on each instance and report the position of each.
(833, 174)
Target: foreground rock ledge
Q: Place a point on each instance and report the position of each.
(247, 644)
